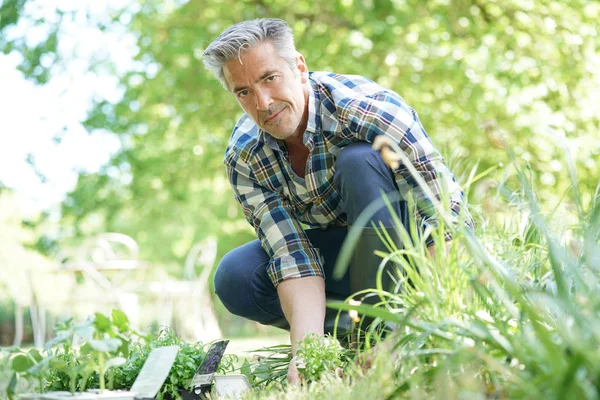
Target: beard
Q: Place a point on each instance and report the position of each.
(281, 126)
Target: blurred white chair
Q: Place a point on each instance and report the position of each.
(106, 259)
(106, 262)
(186, 305)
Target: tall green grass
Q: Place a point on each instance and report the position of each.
(511, 310)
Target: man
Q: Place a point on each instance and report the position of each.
(301, 156)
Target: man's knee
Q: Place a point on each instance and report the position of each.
(226, 281)
(354, 155)
(242, 284)
(360, 168)
(360, 178)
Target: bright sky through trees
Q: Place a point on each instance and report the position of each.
(42, 143)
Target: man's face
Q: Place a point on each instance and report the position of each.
(270, 91)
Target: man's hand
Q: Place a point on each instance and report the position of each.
(385, 145)
(432, 249)
(293, 376)
(303, 303)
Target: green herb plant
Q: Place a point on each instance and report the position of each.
(269, 368)
(317, 355)
(66, 361)
(94, 347)
(189, 357)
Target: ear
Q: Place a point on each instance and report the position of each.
(302, 68)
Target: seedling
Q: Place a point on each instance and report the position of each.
(317, 355)
(88, 347)
(26, 364)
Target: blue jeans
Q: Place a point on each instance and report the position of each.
(241, 280)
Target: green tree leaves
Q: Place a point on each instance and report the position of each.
(481, 75)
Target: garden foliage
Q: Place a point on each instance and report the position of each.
(100, 353)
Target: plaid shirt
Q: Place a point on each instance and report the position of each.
(276, 202)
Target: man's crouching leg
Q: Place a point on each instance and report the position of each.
(361, 177)
(243, 285)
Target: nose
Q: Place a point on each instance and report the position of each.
(263, 100)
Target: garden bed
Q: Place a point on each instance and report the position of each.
(104, 359)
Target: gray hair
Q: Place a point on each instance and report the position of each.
(246, 35)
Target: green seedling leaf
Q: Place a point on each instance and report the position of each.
(64, 325)
(102, 322)
(21, 363)
(86, 349)
(120, 320)
(85, 330)
(87, 365)
(61, 337)
(35, 354)
(59, 364)
(10, 390)
(245, 369)
(37, 368)
(115, 362)
(107, 345)
(262, 371)
(125, 342)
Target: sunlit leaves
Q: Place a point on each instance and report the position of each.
(481, 74)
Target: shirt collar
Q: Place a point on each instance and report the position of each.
(313, 124)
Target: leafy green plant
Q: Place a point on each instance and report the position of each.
(516, 318)
(511, 312)
(189, 357)
(376, 383)
(95, 346)
(269, 368)
(317, 355)
(108, 341)
(67, 362)
(104, 352)
(26, 364)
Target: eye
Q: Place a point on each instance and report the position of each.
(271, 78)
(242, 93)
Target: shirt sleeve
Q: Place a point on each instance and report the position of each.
(385, 113)
(280, 233)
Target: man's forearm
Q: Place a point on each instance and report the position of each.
(303, 303)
